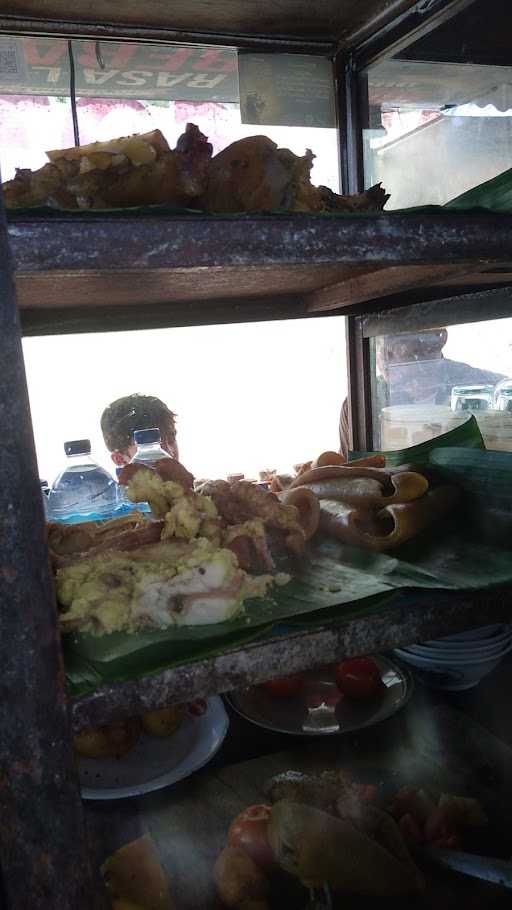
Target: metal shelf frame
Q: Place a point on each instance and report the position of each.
(43, 844)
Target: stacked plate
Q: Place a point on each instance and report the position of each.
(459, 661)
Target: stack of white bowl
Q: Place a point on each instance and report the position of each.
(459, 661)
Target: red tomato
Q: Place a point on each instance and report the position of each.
(359, 679)
(248, 831)
(286, 686)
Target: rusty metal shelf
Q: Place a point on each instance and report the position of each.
(400, 623)
(102, 272)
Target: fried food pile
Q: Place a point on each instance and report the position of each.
(135, 170)
(116, 739)
(365, 504)
(322, 830)
(194, 562)
(250, 175)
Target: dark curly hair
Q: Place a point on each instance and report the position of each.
(136, 412)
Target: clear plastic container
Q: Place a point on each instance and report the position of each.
(148, 451)
(83, 491)
(124, 505)
(148, 447)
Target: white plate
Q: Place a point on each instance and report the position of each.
(157, 762)
(319, 709)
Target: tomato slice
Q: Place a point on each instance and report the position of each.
(248, 831)
(359, 678)
(286, 686)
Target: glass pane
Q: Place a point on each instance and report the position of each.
(435, 130)
(244, 401)
(426, 383)
(125, 87)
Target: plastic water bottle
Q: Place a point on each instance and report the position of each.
(148, 447)
(123, 504)
(148, 451)
(83, 491)
(45, 489)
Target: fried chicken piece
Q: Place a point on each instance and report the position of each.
(241, 500)
(135, 170)
(248, 541)
(42, 187)
(67, 543)
(254, 175)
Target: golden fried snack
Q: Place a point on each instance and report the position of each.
(111, 741)
(308, 506)
(67, 543)
(164, 721)
(134, 874)
(317, 848)
(362, 486)
(389, 527)
(328, 458)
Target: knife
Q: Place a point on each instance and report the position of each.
(497, 871)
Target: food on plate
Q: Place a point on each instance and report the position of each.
(116, 739)
(359, 679)
(250, 175)
(240, 883)
(110, 741)
(327, 790)
(191, 564)
(130, 171)
(134, 875)
(321, 830)
(285, 686)
(248, 831)
(327, 829)
(441, 822)
(318, 847)
(164, 721)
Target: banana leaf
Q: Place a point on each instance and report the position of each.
(465, 436)
(494, 195)
(338, 582)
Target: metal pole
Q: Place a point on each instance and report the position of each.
(43, 851)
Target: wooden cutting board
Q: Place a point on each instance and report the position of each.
(441, 749)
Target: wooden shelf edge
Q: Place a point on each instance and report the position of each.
(437, 613)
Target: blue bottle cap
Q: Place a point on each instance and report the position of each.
(78, 447)
(146, 437)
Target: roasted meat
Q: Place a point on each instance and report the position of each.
(131, 171)
(240, 500)
(250, 175)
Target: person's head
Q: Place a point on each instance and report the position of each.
(410, 347)
(137, 412)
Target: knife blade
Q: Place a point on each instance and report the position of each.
(497, 871)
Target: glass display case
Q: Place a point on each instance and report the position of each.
(382, 92)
